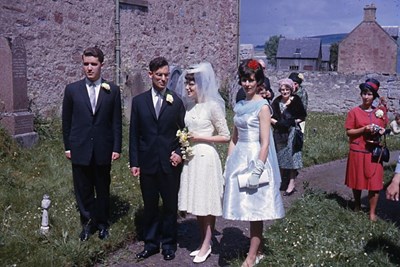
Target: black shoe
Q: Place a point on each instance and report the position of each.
(169, 254)
(103, 233)
(286, 194)
(147, 253)
(86, 233)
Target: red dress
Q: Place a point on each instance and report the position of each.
(361, 172)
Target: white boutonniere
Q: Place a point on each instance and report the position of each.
(379, 113)
(169, 98)
(105, 86)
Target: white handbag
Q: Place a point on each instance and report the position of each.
(245, 174)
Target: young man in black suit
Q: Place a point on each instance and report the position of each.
(92, 132)
(155, 157)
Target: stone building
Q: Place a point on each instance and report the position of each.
(368, 48)
(300, 54)
(56, 32)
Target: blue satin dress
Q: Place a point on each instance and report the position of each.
(244, 204)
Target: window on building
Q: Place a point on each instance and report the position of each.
(293, 67)
(308, 67)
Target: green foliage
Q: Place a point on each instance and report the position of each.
(333, 57)
(7, 145)
(325, 138)
(27, 174)
(271, 48)
(319, 230)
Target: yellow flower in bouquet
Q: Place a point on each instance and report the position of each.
(186, 149)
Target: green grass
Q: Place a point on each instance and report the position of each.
(27, 174)
(320, 230)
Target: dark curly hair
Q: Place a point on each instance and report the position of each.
(249, 67)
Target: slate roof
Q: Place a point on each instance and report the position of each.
(392, 31)
(299, 48)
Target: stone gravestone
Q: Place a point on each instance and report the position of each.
(14, 114)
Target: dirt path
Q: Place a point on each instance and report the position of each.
(231, 237)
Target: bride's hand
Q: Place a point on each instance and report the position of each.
(193, 137)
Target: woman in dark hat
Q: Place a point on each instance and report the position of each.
(297, 79)
(364, 125)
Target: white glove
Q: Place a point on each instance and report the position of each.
(254, 179)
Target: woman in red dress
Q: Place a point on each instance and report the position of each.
(364, 126)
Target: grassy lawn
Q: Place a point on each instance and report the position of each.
(317, 231)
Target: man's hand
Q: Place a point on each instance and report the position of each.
(135, 171)
(392, 191)
(68, 154)
(115, 156)
(175, 159)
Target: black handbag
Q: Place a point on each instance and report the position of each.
(381, 153)
(298, 140)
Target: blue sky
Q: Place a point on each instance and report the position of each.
(260, 19)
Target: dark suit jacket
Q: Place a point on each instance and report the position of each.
(87, 134)
(152, 140)
(295, 110)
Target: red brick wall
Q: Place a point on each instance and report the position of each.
(367, 49)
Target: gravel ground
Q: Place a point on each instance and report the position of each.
(231, 237)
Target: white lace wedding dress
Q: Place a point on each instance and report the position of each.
(201, 187)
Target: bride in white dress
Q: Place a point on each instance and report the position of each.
(252, 155)
(201, 187)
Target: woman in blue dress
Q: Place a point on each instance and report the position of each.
(252, 177)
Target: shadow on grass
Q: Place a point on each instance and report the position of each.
(118, 208)
(386, 209)
(344, 203)
(233, 245)
(188, 234)
(386, 246)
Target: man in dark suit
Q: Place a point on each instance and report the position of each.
(92, 132)
(155, 157)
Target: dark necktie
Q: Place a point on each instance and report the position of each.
(158, 104)
(92, 96)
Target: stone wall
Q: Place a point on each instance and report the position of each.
(333, 92)
(56, 32)
(336, 93)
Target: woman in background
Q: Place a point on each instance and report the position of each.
(364, 126)
(288, 113)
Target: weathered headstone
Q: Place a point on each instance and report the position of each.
(44, 227)
(14, 114)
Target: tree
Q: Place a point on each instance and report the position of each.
(271, 48)
(333, 57)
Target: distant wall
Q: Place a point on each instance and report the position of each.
(56, 32)
(337, 93)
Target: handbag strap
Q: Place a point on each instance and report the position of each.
(384, 140)
(383, 147)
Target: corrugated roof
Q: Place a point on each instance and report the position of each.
(298, 48)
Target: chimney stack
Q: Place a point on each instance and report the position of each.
(370, 12)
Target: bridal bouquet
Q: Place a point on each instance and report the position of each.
(186, 149)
